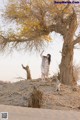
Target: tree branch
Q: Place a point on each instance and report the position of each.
(76, 41)
(23, 67)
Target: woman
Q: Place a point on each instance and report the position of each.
(45, 65)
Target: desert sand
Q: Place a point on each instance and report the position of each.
(21, 113)
(19, 94)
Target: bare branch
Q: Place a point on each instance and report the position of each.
(76, 41)
(76, 48)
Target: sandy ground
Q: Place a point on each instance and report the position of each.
(18, 94)
(21, 113)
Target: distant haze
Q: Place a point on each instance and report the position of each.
(10, 65)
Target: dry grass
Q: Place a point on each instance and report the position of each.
(76, 71)
(35, 98)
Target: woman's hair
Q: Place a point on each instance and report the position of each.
(49, 58)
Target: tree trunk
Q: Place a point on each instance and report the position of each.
(66, 66)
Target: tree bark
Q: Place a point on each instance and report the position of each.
(28, 73)
(66, 66)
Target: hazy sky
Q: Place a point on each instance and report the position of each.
(10, 65)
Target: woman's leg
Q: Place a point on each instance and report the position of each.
(47, 73)
(43, 77)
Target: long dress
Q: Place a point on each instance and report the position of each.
(45, 66)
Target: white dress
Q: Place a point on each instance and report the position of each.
(45, 66)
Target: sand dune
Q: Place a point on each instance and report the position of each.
(24, 113)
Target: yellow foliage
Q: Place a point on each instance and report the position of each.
(47, 37)
(32, 16)
(30, 26)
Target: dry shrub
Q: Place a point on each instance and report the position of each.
(35, 99)
(55, 76)
(76, 71)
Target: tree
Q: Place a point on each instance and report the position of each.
(35, 20)
(28, 73)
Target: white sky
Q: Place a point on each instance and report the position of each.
(10, 65)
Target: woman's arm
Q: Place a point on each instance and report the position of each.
(41, 53)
